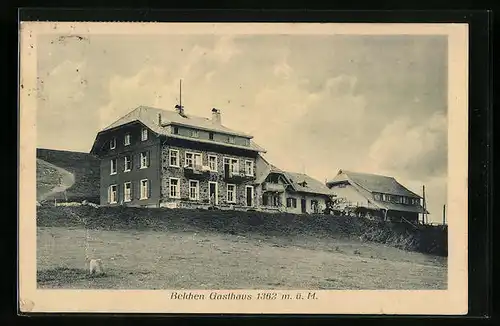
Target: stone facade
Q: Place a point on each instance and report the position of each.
(179, 172)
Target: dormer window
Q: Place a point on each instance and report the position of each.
(144, 134)
(211, 136)
(230, 139)
(112, 143)
(127, 140)
(175, 130)
(195, 133)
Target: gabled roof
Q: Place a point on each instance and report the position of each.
(149, 117)
(295, 180)
(388, 205)
(301, 182)
(373, 183)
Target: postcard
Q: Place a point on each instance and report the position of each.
(246, 168)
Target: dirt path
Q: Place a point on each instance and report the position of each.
(67, 180)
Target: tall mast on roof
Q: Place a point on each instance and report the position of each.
(180, 94)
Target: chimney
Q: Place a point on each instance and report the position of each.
(159, 119)
(216, 118)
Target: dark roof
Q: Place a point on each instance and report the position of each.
(296, 180)
(303, 183)
(374, 183)
(388, 205)
(149, 117)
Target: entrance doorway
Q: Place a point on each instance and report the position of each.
(303, 205)
(213, 193)
(249, 196)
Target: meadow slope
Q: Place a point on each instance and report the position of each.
(186, 249)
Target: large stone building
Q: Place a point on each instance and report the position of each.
(158, 158)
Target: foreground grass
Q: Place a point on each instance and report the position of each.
(169, 259)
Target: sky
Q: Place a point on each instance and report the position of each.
(316, 103)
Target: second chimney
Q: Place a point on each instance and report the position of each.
(216, 118)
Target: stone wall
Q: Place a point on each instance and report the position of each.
(179, 172)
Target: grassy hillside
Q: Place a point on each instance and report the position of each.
(182, 259)
(47, 178)
(432, 240)
(83, 166)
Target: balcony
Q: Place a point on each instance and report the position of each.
(196, 171)
(237, 176)
(273, 187)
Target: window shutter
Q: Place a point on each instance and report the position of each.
(138, 192)
(131, 190)
(149, 188)
(148, 155)
(109, 194)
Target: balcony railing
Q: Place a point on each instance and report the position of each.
(196, 171)
(237, 176)
(274, 187)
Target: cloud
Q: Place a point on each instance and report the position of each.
(65, 84)
(158, 85)
(225, 49)
(416, 150)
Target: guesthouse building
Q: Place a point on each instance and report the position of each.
(375, 197)
(158, 158)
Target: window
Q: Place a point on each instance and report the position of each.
(174, 188)
(232, 163)
(127, 163)
(144, 160)
(192, 160)
(127, 192)
(112, 143)
(230, 139)
(406, 200)
(112, 194)
(113, 166)
(194, 190)
(127, 140)
(212, 163)
(231, 193)
(195, 133)
(175, 130)
(376, 196)
(144, 189)
(174, 157)
(291, 202)
(276, 201)
(144, 134)
(211, 136)
(249, 168)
